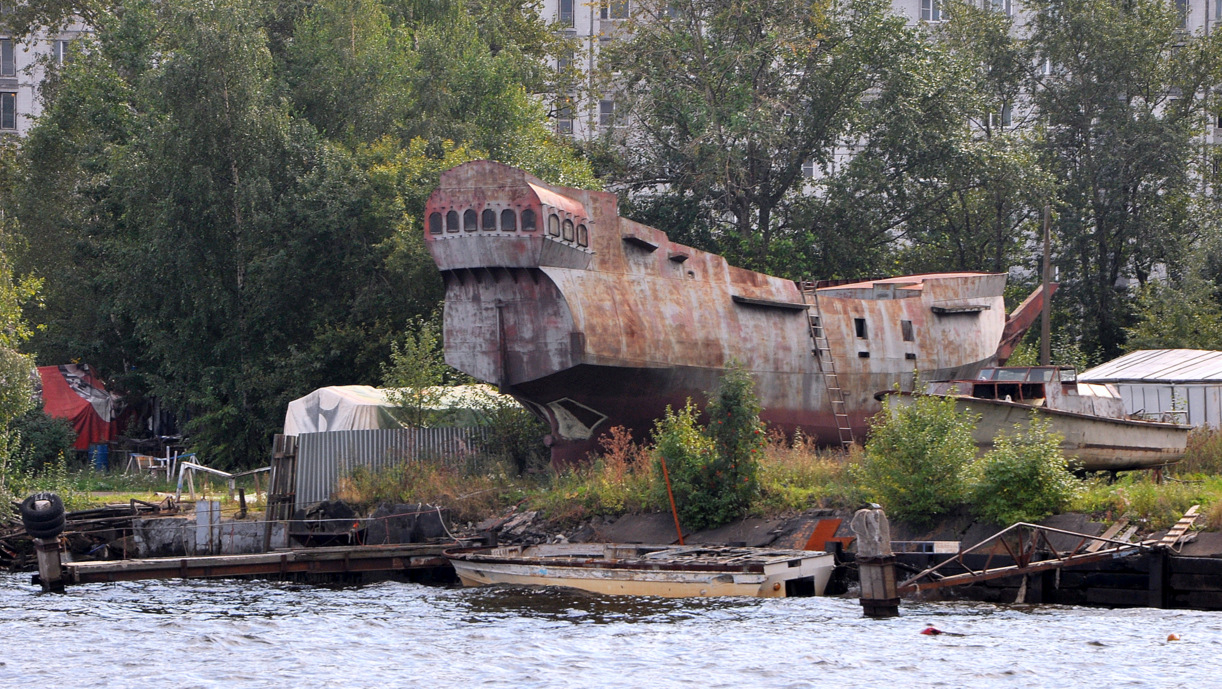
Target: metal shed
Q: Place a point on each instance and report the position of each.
(1156, 381)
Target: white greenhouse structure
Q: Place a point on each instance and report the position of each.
(1174, 383)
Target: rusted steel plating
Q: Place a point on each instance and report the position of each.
(592, 320)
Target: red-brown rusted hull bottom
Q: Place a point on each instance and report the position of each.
(637, 397)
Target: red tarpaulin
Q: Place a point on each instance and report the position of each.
(72, 392)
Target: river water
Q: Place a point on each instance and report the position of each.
(219, 633)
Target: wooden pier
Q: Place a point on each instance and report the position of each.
(341, 560)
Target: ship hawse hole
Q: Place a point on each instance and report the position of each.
(583, 238)
(452, 221)
(553, 225)
(470, 220)
(860, 325)
(488, 221)
(568, 230)
(435, 223)
(528, 220)
(509, 221)
(906, 328)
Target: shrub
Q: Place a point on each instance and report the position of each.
(515, 436)
(916, 456)
(1024, 478)
(680, 442)
(43, 438)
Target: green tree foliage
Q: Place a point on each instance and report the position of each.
(1024, 478)
(1123, 101)
(714, 470)
(235, 234)
(916, 457)
(1179, 314)
(727, 99)
(415, 373)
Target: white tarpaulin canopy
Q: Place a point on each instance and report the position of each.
(362, 407)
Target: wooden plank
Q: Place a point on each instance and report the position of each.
(1181, 527)
(1110, 533)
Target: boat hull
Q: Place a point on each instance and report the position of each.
(587, 568)
(1091, 443)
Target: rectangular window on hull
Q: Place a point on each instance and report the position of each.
(906, 328)
(859, 324)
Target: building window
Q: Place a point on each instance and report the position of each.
(565, 14)
(8, 111)
(613, 9)
(452, 221)
(61, 53)
(583, 238)
(567, 230)
(1181, 10)
(564, 120)
(470, 220)
(1003, 6)
(435, 223)
(931, 10)
(808, 169)
(553, 225)
(488, 220)
(606, 113)
(906, 329)
(859, 324)
(8, 61)
(1003, 119)
(528, 220)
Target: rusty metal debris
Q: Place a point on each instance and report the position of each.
(1030, 549)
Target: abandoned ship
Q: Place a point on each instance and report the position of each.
(592, 320)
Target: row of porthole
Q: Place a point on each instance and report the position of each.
(471, 221)
(487, 221)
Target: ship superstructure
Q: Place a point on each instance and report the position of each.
(592, 320)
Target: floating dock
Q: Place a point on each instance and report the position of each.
(386, 560)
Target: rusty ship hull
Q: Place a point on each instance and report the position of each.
(593, 321)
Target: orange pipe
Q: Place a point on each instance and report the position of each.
(666, 477)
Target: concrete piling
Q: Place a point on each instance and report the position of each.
(876, 563)
(50, 569)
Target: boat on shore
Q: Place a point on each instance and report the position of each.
(649, 570)
(593, 321)
(1097, 434)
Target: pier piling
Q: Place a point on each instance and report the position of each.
(876, 563)
(50, 569)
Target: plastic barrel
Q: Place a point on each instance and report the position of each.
(99, 453)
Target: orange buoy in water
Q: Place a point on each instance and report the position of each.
(1173, 637)
(931, 631)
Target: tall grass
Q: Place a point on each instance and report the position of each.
(471, 495)
(796, 475)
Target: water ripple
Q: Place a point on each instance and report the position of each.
(257, 634)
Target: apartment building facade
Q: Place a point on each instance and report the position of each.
(585, 113)
(23, 65)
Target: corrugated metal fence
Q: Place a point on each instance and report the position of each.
(323, 458)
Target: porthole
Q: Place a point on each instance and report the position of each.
(528, 220)
(553, 225)
(452, 221)
(583, 239)
(470, 220)
(568, 230)
(488, 221)
(509, 221)
(435, 223)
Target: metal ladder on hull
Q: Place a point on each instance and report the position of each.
(827, 365)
